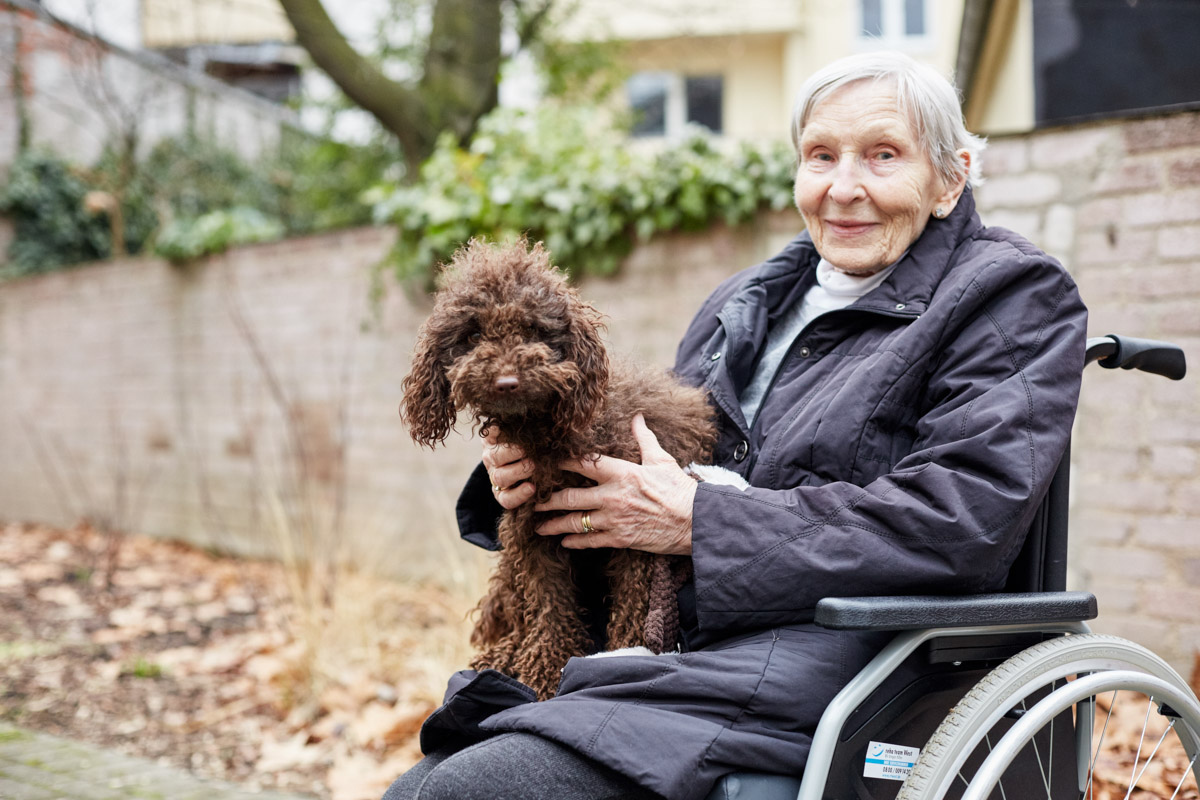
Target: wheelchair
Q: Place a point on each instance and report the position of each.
(990, 696)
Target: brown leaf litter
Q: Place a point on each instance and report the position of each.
(165, 651)
(206, 663)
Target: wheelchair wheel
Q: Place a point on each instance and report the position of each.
(1038, 726)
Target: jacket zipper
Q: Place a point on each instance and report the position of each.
(787, 357)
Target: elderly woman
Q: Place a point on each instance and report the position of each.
(896, 388)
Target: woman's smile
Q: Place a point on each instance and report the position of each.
(849, 228)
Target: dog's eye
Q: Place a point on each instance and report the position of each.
(475, 337)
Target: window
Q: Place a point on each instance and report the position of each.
(703, 100)
(893, 23)
(914, 17)
(872, 18)
(664, 103)
(648, 95)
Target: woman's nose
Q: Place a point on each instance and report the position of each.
(847, 182)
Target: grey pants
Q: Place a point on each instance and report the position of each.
(513, 766)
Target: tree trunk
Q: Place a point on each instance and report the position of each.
(459, 84)
(462, 65)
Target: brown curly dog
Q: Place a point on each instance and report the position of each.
(510, 342)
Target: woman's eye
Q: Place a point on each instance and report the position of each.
(475, 338)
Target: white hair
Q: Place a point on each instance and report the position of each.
(928, 99)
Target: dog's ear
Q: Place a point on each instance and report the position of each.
(428, 408)
(575, 410)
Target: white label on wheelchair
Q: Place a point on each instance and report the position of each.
(890, 761)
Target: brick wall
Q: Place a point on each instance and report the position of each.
(1118, 202)
(172, 401)
(144, 377)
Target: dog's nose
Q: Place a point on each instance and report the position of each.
(507, 383)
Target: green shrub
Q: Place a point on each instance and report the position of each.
(204, 191)
(216, 232)
(323, 181)
(569, 180)
(44, 198)
(566, 177)
(195, 176)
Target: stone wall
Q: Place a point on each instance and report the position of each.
(1118, 202)
(174, 401)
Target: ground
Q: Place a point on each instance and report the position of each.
(162, 650)
(235, 670)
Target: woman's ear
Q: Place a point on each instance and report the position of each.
(949, 198)
(427, 408)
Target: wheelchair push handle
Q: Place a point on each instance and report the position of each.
(1127, 352)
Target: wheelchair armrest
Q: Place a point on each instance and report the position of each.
(940, 611)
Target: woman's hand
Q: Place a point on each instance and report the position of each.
(645, 506)
(509, 470)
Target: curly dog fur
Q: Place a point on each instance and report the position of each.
(510, 342)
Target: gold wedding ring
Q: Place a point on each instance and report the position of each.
(587, 524)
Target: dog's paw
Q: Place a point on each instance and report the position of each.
(624, 651)
(712, 474)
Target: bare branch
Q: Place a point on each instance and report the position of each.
(397, 107)
(530, 21)
(50, 469)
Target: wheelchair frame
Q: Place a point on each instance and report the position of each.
(992, 631)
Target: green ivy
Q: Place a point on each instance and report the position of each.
(194, 177)
(313, 185)
(211, 197)
(575, 183)
(44, 198)
(569, 178)
(322, 181)
(216, 232)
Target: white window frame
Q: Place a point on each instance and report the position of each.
(675, 122)
(894, 37)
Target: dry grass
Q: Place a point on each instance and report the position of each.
(346, 621)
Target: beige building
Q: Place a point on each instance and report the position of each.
(170, 23)
(1026, 64)
(995, 68)
(736, 67)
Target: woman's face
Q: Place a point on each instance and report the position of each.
(865, 185)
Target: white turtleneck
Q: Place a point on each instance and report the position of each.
(834, 289)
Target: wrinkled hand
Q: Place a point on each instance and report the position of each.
(646, 506)
(509, 470)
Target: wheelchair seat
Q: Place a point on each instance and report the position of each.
(985, 668)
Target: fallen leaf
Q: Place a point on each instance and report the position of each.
(382, 726)
(288, 754)
(358, 776)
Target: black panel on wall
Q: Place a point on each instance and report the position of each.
(1103, 56)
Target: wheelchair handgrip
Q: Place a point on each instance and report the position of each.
(1128, 352)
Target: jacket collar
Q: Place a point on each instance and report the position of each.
(782, 280)
(747, 315)
(910, 287)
